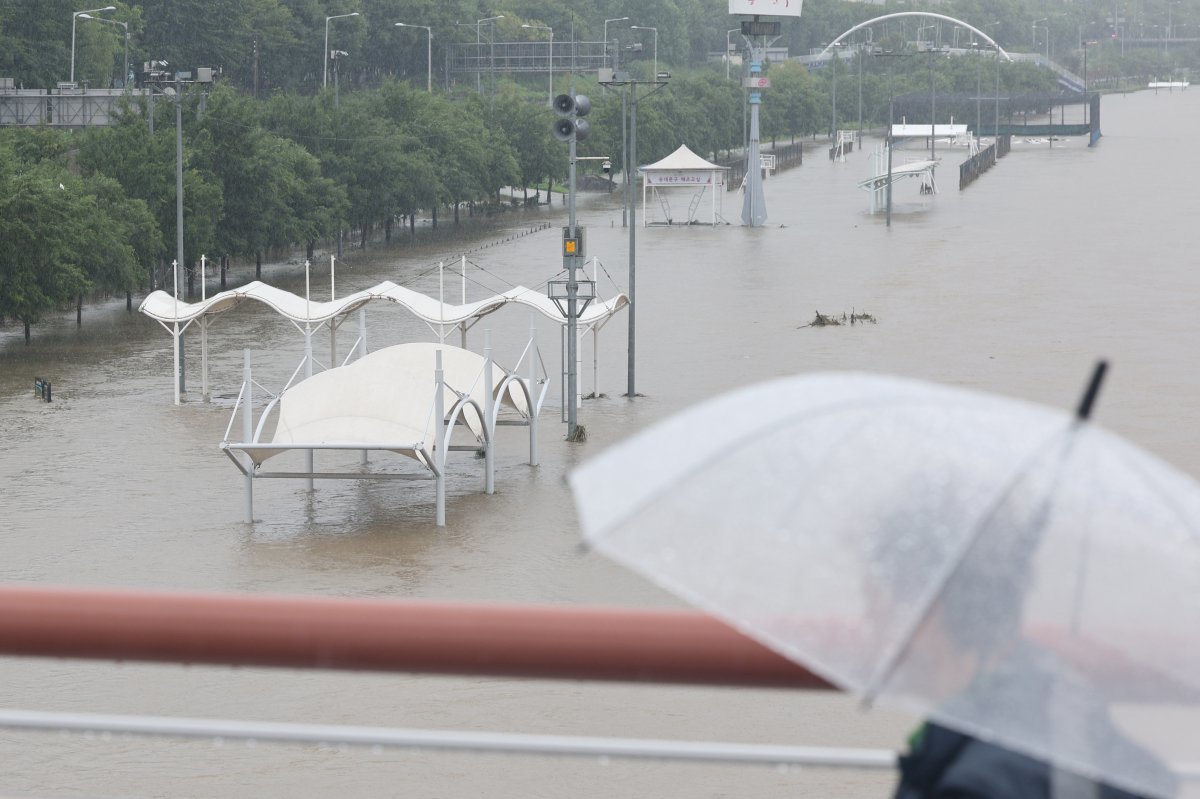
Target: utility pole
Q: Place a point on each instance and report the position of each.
(570, 128)
(629, 210)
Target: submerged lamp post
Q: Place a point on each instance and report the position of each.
(325, 80)
(428, 53)
(76, 16)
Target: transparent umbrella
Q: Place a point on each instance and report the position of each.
(1009, 570)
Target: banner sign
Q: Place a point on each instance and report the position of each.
(678, 178)
(775, 8)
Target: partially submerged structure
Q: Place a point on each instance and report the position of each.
(407, 399)
(681, 174)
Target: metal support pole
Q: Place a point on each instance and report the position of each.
(462, 326)
(362, 352)
(932, 114)
(571, 263)
(489, 412)
(626, 171)
(179, 217)
(308, 363)
(248, 432)
(439, 457)
(204, 394)
(533, 392)
(631, 390)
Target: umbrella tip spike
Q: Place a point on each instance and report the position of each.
(1093, 389)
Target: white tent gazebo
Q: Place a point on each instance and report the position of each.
(682, 169)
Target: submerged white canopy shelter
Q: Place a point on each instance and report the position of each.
(878, 182)
(407, 399)
(952, 131)
(309, 316)
(682, 169)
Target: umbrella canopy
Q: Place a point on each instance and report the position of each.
(1011, 571)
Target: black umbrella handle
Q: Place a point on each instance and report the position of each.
(1089, 396)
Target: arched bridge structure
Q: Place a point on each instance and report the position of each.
(925, 14)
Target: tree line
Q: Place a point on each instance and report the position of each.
(298, 165)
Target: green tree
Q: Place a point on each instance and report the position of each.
(42, 225)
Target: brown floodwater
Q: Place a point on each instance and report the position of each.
(1056, 257)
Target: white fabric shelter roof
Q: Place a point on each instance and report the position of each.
(682, 160)
(910, 131)
(682, 169)
(163, 307)
(386, 397)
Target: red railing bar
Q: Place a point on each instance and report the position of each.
(536, 641)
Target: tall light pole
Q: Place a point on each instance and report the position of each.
(325, 55)
(478, 23)
(549, 60)
(978, 92)
(648, 28)
(729, 49)
(614, 19)
(1034, 27)
(1167, 39)
(125, 25)
(74, 17)
(428, 54)
(996, 119)
(932, 111)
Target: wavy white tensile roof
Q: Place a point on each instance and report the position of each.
(165, 308)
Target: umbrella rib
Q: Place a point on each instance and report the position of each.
(888, 664)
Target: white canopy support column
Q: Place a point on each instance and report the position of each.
(308, 363)
(439, 454)
(463, 326)
(534, 395)
(247, 396)
(489, 413)
(204, 395)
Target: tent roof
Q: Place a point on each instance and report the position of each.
(682, 160)
(166, 309)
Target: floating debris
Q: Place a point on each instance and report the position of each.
(853, 318)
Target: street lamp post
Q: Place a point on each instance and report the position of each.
(1169, 32)
(125, 25)
(478, 23)
(648, 28)
(729, 49)
(996, 99)
(833, 65)
(978, 92)
(1033, 35)
(932, 111)
(428, 53)
(325, 56)
(614, 19)
(549, 60)
(880, 52)
(76, 16)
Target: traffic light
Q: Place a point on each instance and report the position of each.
(569, 109)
